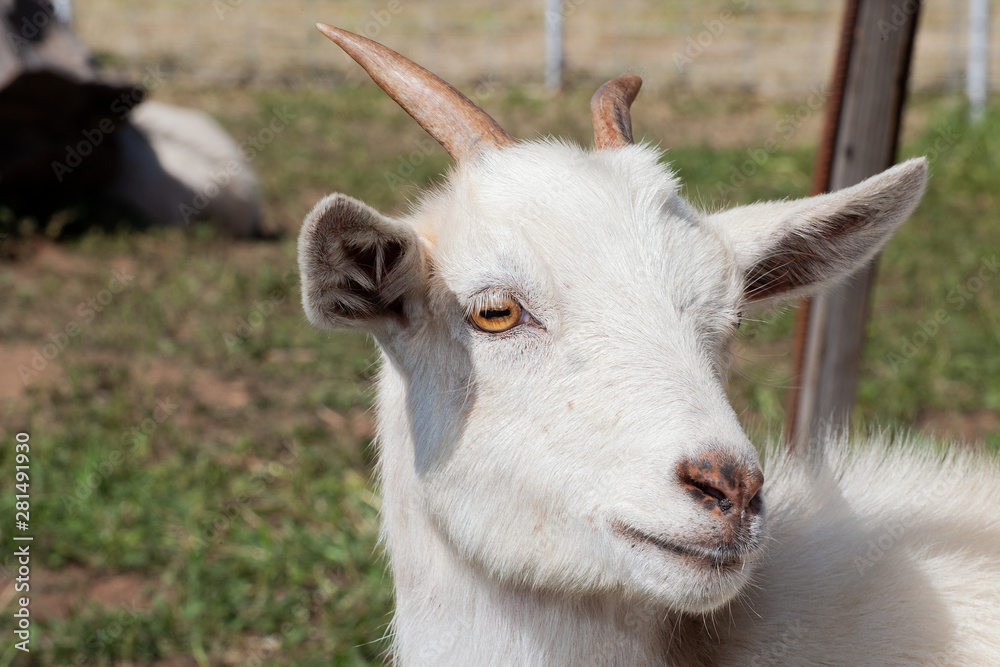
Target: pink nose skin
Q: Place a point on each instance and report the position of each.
(723, 485)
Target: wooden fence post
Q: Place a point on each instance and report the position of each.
(861, 139)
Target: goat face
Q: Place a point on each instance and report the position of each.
(555, 324)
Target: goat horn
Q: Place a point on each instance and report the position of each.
(609, 108)
(455, 122)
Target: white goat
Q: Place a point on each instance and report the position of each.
(180, 166)
(563, 479)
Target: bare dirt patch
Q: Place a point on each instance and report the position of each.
(16, 360)
(55, 594)
(37, 258)
(214, 391)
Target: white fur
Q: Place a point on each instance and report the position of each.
(507, 461)
(180, 166)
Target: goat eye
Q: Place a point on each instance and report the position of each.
(497, 315)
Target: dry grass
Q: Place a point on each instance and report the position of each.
(778, 48)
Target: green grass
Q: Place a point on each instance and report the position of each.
(202, 446)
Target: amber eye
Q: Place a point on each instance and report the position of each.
(497, 314)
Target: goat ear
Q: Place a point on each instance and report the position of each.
(791, 249)
(360, 269)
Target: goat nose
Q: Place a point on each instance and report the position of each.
(721, 482)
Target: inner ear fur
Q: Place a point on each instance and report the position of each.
(792, 249)
(359, 268)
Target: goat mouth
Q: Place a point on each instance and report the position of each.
(723, 557)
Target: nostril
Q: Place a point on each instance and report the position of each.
(708, 490)
(718, 481)
(704, 491)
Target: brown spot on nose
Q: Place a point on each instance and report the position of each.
(721, 483)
